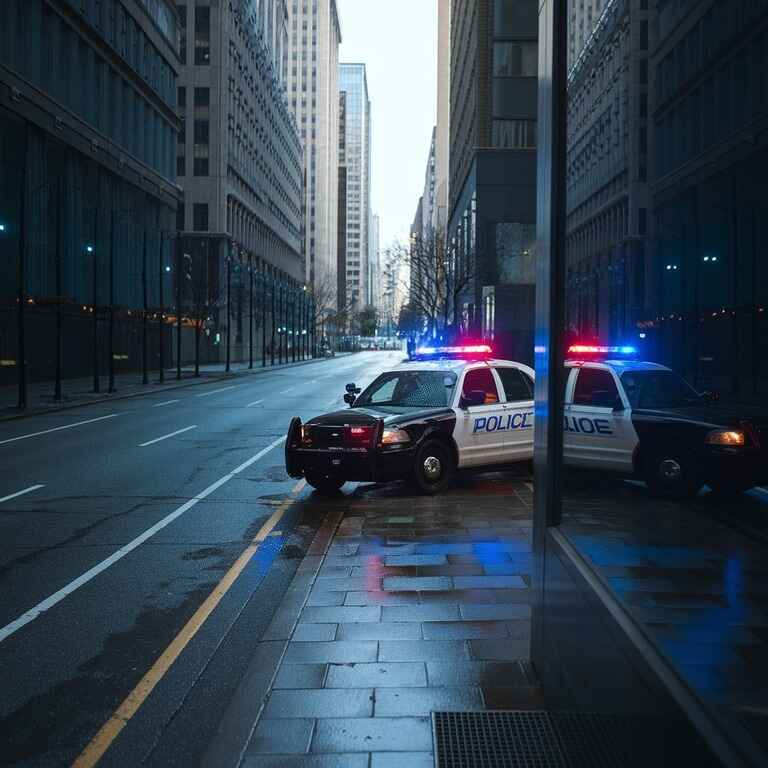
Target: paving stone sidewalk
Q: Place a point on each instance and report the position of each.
(418, 604)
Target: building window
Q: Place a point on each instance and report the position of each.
(181, 165)
(515, 59)
(182, 97)
(202, 97)
(181, 219)
(202, 34)
(200, 217)
(201, 166)
(514, 134)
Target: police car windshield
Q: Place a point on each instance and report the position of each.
(409, 389)
(658, 389)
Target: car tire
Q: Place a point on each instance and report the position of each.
(327, 485)
(434, 468)
(671, 475)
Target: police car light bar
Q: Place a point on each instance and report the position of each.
(599, 349)
(456, 350)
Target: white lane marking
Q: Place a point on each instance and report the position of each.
(165, 437)
(167, 402)
(290, 389)
(89, 575)
(254, 403)
(21, 493)
(217, 391)
(57, 429)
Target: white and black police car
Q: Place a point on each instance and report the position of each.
(644, 420)
(455, 407)
(448, 408)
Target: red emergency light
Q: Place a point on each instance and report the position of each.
(601, 350)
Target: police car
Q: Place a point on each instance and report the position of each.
(448, 408)
(642, 419)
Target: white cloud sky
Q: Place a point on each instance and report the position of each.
(397, 40)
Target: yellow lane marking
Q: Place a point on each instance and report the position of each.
(101, 742)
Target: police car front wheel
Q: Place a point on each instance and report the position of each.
(434, 468)
(672, 475)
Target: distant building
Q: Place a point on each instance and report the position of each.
(88, 131)
(607, 224)
(239, 159)
(354, 84)
(429, 193)
(492, 180)
(341, 262)
(313, 89)
(374, 263)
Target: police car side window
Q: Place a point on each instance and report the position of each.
(516, 385)
(595, 387)
(481, 378)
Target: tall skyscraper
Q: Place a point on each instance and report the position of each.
(353, 82)
(240, 156)
(374, 263)
(312, 77)
(442, 130)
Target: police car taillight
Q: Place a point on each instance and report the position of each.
(359, 434)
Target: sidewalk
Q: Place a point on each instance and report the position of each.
(403, 606)
(76, 392)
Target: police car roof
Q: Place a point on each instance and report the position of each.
(620, 365)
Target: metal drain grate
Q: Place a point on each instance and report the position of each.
(496, 740)
(525, 739)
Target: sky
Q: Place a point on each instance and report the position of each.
(397, 41)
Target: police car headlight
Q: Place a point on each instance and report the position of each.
(395, 437)
(726, 437)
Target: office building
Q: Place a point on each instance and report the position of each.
(313, 90)
(374, 263)
(707, 280)
(492, 179)
(353, 83)
(87, 159)
(240, 163)
(341, 230)
(607, 226)
(442, 129)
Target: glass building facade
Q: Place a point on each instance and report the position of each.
(87, 156)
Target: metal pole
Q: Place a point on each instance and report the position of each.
(250, 312)
(96, 377)
(21, 352)
(162, 311)
(178, 310)
(293, 323)
(111, 387)
(229, 308)
(272, 347)
(59, 317)
(263, 281)
(144, 333)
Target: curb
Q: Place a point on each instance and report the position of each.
(148, 390)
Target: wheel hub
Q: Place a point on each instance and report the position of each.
(432, 468)
(670, 470)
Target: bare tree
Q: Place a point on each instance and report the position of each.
(439, 276)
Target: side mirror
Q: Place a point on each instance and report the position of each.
(349, 399)
(353, 389)
(472, 398)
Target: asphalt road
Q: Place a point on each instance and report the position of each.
(116, 522)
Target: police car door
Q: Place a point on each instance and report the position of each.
(598, 423)
(479, 440)
(518, 412)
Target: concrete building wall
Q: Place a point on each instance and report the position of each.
(313, 89)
